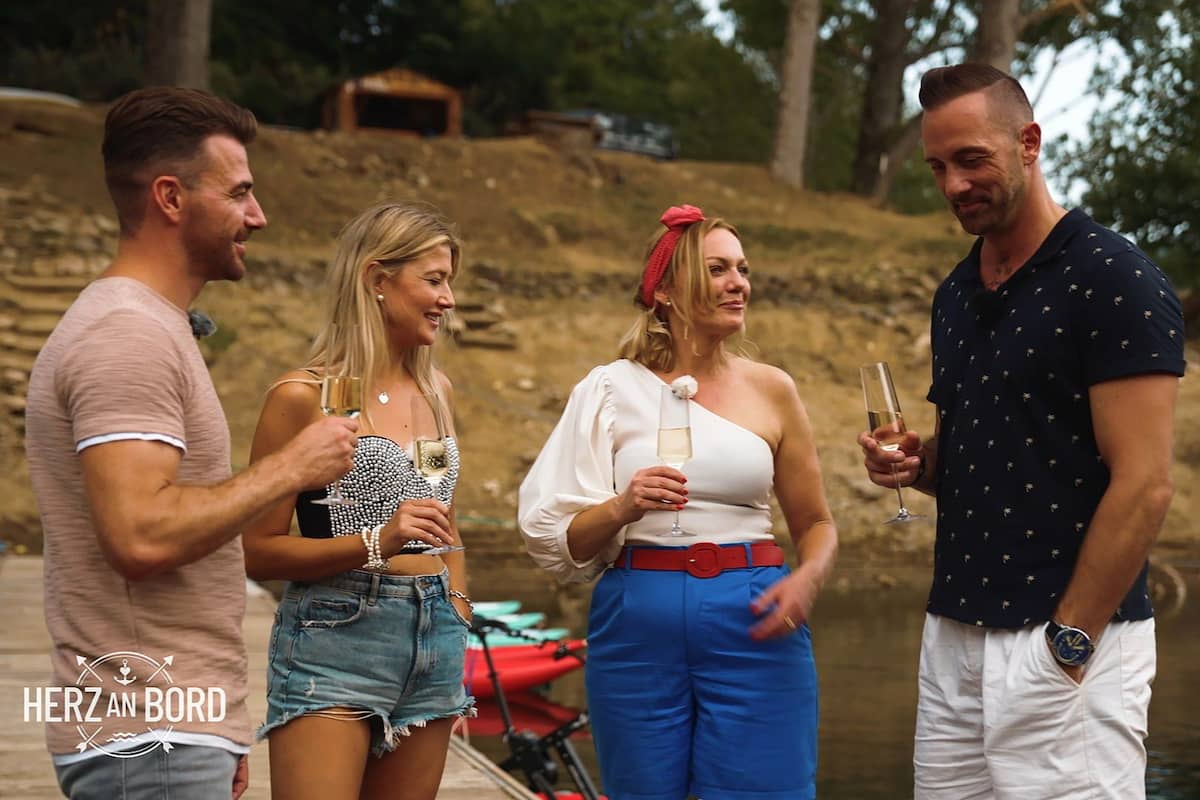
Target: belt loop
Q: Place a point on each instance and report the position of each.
(628, 557)
(373, 592)
(749, 554)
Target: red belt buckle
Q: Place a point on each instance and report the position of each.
(703, 560)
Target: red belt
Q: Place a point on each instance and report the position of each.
(703, 560)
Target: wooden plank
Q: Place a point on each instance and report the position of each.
(24, 661)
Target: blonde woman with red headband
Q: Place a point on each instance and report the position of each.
(700, 673)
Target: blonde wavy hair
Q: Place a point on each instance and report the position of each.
(649, 340)
(353, 340)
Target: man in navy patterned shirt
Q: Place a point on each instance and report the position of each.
(1057, 347)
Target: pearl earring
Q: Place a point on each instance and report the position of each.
(379, 296)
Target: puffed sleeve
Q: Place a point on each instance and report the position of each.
(573, 472)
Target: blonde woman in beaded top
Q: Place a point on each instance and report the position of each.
(365, 675)
(700, 674)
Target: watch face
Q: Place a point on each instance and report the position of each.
(1072, 646)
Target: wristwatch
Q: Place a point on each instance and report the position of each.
(1072, 647)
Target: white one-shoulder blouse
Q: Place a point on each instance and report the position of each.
(607, 432)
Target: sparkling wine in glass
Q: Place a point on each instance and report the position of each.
(341, 396)
(430, 457)
(674, 438)
(885, 420)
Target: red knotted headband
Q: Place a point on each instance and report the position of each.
(676, 218)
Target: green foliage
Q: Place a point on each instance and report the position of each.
(105, 70)
(652, 59)
(720, 108)
(657, 59)
(913, 190)
(279, 57)
(1142, 163)
(91, 51)
(837, 84)
(648, 58)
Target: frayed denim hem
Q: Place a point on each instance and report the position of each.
(351, 714)
(393, 731)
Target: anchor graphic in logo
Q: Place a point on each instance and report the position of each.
(125, 680)
(98, 671)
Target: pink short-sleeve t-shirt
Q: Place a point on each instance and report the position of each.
(121, 364)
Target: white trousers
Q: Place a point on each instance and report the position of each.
(998, 719)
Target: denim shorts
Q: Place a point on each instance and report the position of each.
(385, 648)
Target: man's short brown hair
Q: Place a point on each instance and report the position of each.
(941, 85)
(161, 131)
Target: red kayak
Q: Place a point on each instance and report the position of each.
(521, 666)
(529, 712)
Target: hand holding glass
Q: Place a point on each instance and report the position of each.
(341, 396)
(430, 457)
(674, 438)
(885, 421)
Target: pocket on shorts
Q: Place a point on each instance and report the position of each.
(466, 623)
(1047, 665)
(759, 580)
(328, 608)
(608, 601)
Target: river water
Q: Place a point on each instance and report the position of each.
(867, 646)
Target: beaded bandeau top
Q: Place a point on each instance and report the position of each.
(383, 476)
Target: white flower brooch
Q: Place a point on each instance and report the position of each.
(684, 387)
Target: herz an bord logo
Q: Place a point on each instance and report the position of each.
(124, 704)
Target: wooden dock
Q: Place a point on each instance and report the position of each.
(25, 770)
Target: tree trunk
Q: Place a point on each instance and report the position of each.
(795, 91)
(177, 42)
(883, 100)
(901, 148)
(998, 29)
(1000, 25)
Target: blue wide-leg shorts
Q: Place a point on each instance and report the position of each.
(682, 700)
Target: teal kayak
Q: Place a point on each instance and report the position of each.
(534, 634)
(525, 619)
(496, 608)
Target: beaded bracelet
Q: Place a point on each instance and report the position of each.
(461, 596)
(375, 559)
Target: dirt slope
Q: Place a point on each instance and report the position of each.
(553, 243)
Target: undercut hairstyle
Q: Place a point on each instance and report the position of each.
(161, 130)
(1008, 102)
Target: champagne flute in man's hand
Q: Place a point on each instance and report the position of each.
(885, 421)
(341, 396)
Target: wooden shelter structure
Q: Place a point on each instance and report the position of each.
(397, 99)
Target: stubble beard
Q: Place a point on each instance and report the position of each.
(216, 256)
(997, 212)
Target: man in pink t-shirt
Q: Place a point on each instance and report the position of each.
(129, 456)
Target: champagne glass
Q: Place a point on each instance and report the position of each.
(430, 457)
(341, 396)
(674, 438)
(885, 420)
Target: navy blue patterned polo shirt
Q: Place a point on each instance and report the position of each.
(1019, 473)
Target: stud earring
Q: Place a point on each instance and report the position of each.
(379, 296)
